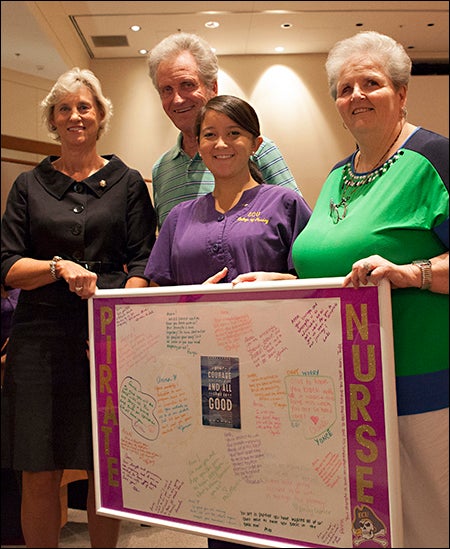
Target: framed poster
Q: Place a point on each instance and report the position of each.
(263, 414)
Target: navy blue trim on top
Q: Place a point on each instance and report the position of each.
(434, 147)
(442, 232)
(422, 393)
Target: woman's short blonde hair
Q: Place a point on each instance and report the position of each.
(70, 82)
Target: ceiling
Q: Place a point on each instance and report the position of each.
(47, 38)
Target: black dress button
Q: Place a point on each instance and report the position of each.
(78, 209)
(221, 218)
(215, 247)
(76, 229)
(78, 187)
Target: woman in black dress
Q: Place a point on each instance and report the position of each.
(75, 223)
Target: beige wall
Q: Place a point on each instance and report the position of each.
(289, 93)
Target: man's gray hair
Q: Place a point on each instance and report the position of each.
(174, 44)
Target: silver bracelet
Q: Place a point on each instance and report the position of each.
(53, 263)
(425, 269)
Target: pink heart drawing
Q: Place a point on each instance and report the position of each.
(314, 419)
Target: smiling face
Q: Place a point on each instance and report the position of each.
(366, 98)
(225, 146)
(182, 91)
(77, 117)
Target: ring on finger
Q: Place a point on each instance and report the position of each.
(368, 267)
(78, 288)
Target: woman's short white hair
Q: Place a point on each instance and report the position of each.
(70, 82)
(390, 54)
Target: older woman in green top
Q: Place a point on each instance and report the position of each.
(383, 213)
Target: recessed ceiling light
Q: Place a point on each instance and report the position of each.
(143, 52)
(212, 24)
(286, 25)
(279, 49)
(135, 28)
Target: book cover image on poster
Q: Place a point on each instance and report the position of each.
(220, 391)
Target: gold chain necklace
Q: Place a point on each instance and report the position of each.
(352, 181)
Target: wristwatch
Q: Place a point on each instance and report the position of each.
(425, 269)
(53, 263)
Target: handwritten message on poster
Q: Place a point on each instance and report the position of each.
(261, 415)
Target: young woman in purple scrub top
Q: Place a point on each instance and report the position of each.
(243, 224)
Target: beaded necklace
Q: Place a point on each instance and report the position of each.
(352, 181)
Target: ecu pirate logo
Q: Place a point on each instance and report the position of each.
(368, 527)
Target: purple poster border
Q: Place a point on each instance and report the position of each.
(364, 400)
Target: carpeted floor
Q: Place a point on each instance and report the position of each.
(133, 534)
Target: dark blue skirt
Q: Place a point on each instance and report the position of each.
(46, 404)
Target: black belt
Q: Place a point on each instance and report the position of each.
(101, 266)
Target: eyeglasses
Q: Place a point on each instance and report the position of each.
(335, 214)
